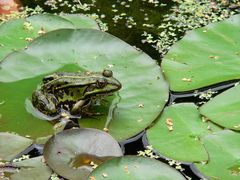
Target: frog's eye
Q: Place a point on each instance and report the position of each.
(101, 83)
(107, 73)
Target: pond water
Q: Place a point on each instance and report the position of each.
(128, 20)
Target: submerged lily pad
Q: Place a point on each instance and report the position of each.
(224, 156)
(224, 109)
(29, 169)
(15, 34)
(205, 56)
(134, 167)
(73, 153)
(177, 134)
(11, 145)
(142, 97)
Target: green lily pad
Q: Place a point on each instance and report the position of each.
(224, 109)
(134, 167)
(205, 56)
(15, 110)
(214, 127)
(27, 170)
(142, 97)
(11, 145)
(177, 134)
(15, 34)
(70, 153)
(224, 155)
(81, 21)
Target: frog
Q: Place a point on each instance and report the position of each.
(73, 92)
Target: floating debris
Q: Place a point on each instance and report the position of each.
(187, 79)
(169, 123)
(104, 175)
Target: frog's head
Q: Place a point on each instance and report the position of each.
(105, 83)
(45, 103)
(49, 78)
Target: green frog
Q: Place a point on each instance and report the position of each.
(73, 92)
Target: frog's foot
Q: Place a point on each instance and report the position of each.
(64, 123)
(71, 124)
(60, 125)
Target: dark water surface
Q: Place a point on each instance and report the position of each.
(140, 11)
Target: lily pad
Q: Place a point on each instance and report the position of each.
(15, 34)
(134, 167)
(214, 127)
(142, 97)
(177, 134)
(224, 155)
(205, 56)
(72, 153)
(81, 21)
(27, 170)
(224, 109)
(11, 145)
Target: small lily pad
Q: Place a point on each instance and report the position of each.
(224, 109)
(16, 34)
(205, 56)
(224, 155)
(134, 167)
(177, 134)
(27, 170)
(73, 153)
(11, 145)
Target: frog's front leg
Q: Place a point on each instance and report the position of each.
(77, 107)
(82, 108)
(86, 109)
